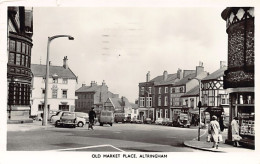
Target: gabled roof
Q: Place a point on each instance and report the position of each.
(89, 88)
(118, 103)
(159, 79)
(186, 79)
(40, 71)
(134, 106)
(218, 73)
(192, 92)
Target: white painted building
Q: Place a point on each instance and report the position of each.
(61, 88)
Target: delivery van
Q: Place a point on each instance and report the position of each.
(106, 117)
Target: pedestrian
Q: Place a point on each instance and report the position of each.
(92, 116)
(214, 131)
(235, 131)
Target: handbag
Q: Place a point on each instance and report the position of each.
(236, 137)
(220, 139)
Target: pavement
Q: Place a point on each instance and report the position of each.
(200, 145)
(35, 125)
(207, 146)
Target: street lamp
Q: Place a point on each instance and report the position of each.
(45, 112)
(199, 105)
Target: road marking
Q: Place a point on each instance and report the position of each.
(87, 147)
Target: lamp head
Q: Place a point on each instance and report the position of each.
(71, 38)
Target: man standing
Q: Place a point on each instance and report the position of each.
(92, 116)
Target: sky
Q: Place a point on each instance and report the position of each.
(121, 44)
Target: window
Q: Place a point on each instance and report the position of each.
(135, 111)
(148, 101)
(161, 113)
(64, 94)
(223, 101)
(166, 101)
(159, 100)
(54, 93)
(181, 89)
(173, 90)
(54, 80)
(11, 58)
(166, 113)
(166, 89)
(141, 101)
(18, 59)
(142, 90)
(43, 92)
(186, 102)
(65, 81)
(160, 90)
(150, 90)
(192, 102)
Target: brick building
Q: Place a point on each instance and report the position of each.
(92, 96)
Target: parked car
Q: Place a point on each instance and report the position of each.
(55, 119)
(81, 118)
(68, 119)
(148, 121)
(165, 121)
(135, 120)
(159, 121)
(106, 117)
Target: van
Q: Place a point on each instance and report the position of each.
(106, 117)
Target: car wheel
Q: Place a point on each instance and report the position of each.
(57, 123)
(80, 124)
(111, 124)
(101, 124)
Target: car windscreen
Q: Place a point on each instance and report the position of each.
(68, 114)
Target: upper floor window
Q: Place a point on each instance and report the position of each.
(159, 100)
(54, 93)
(64, 94)
(150, 90)
(142, 90)
(166, 89)
(160, 90)
(141, 102)
(192, 102)
(165, 101)
(148, 101)
(19, 53)
(55, 80)
(65, 81)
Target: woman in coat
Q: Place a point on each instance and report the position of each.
(214, 131)
(235, 131)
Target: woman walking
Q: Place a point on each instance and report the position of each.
(214, 131)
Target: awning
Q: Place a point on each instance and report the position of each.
(215, 110)
(196, 110)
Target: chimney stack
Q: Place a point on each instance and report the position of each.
(199, 69)
(103, 83)
(65, 62)
(179, 74)
(165, 75)
(83, 84)
(148, 76)
(223, 64)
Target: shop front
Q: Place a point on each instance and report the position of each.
(242, 106)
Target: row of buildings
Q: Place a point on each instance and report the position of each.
(165, 96)
(229, 90)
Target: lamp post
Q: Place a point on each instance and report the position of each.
(45, 112)
(199, 105)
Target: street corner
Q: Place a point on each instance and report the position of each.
(202, 145)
